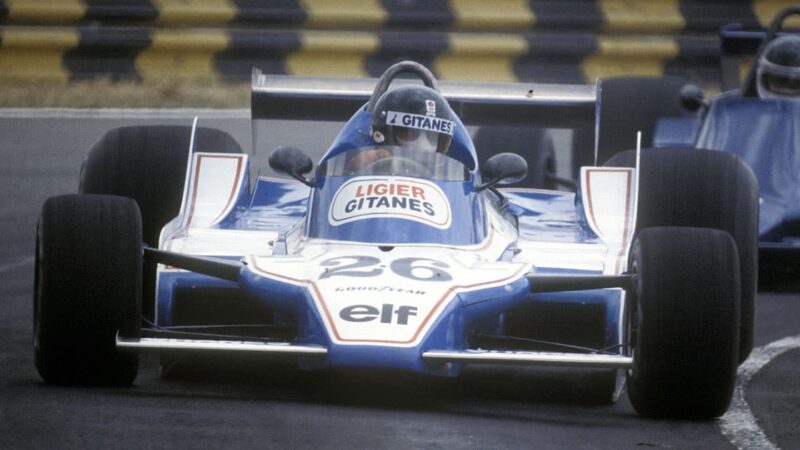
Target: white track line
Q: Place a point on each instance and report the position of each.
(121, 113)
(738, 424)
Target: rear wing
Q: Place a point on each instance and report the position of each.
(476, 103)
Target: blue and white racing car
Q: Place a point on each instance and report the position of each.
(417, 261)
(760, 128)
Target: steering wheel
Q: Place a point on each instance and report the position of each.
(402, 67)
(396, 165)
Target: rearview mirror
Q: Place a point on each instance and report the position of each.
(692, 97)
(503, 168)
(291, 161)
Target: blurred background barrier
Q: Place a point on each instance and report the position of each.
(570, 41)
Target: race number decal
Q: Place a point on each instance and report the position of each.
(390, 197)
(416, 269)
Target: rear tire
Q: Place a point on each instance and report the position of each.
(632, 104)
(627, 105)
(148, 164)
(686, 323)
(708, 189)
(87, 288)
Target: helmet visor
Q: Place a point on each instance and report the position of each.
(776, 81)
(413, 137)
(782, 85)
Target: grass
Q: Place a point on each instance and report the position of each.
(125, 94)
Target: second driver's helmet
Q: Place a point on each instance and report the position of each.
(413, 116)
(778, 73)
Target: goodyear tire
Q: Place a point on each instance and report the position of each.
(148, 164)
(686, 322)
(87, 288)
(533, 144)
(707, 189)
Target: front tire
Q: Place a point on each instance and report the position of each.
(687, 187)
(87, 288)
(686, 322)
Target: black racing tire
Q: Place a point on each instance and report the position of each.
(87, 287)
(685, 323)
(708, 189)
(148, 164)
(627, 105)
(532, 143)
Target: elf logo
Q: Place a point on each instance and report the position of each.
(386, 314)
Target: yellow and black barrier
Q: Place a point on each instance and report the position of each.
(642, 16)
(503, 40)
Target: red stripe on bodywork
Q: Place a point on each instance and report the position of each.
(626, 230)
(193, 200)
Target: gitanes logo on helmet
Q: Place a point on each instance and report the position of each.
(427, 123)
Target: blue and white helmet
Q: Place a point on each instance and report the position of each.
(413, 116)
(778, 73)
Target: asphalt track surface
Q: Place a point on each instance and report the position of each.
(252, 404)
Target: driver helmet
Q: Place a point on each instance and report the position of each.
(778, 73)
(415, 116)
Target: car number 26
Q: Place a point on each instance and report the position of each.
(418, 269)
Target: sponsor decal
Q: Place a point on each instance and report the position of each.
(427, 123)
(384, 299)
(388, 313)
(430, 108)
(375, 289)
(390, 197)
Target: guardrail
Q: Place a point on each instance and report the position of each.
(572, 41)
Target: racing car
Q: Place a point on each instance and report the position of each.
(759, 129)
(642, 274)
